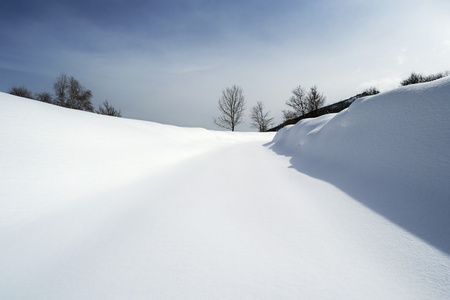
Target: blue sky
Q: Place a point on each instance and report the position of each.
(168, 61)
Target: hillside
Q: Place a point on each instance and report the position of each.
(345, 206)
(329, 109)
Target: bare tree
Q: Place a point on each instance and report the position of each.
(261, 120)
(108, 110)
(288, 115)
(303, 103)
(61, 86)
(71, 94)
(298, 103)
(232, 106)
(21, 91)
(44, 97)
(315, 100)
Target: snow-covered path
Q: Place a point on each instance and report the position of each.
(248, 226)
(186, 214)
(235, 223)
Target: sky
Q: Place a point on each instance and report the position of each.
(169, 61)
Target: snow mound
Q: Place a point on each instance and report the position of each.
(389, 151)
(69, 154)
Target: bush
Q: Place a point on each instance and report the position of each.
(419, 78)
(21, 91)
(44, 97)
(370, 91)
(108, 110)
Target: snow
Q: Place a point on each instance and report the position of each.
(346, 206)
(389, 151)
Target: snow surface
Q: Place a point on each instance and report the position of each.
(347, 206)
(391, 152)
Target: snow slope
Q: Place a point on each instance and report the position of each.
(390, 151)
(95, 207)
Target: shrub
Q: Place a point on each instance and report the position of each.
(419, 78)
(21, 91)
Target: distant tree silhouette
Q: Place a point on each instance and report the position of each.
(108, 110)
(21, 91)
(303, 103)
(369, 92)
(71, 94)
(314, 99)
(232, 106)
(261, 120)
(60, 87)
(419, 78)
(297, 102)
(413, 79)
(44, 97)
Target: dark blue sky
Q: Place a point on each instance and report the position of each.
(168, 61)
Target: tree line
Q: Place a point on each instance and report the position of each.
(69, 93)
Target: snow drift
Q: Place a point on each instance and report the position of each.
(390, 151)
(68, 154)
(97, 207)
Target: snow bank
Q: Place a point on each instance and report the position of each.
(68, 154)
(390, 151)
